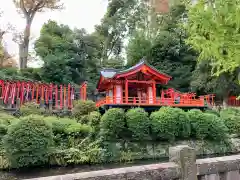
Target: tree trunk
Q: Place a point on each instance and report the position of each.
(24, 45)
(23, 55)
(225, 102)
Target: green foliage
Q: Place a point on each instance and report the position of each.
(68, 55)
(113, 124)
(94, 118)
(231, 117)
(7, 119)
(79, 130)
(166, 50)
(138, 123)
(28, 141)
(138, 47)
(82, 108)
(59, 124)
(222, 86)
(89, 153)
(31, 108)
(212, 32)
(211, 111)
(207, 126)
(170, 123)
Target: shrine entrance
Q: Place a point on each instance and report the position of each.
(138, 92)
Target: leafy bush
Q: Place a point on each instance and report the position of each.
(211, 111)
(3, 129)
(59, 124)
(94, 118)
(31, 108)
(79, 130)
(7, 119)
(231, 118)
(112, 124)
(169, 123)
(28, 141)
(217, 129)
(206, 126)
(138, 123)
(83, 108)
(84, 119)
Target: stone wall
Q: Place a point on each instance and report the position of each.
(182, 166)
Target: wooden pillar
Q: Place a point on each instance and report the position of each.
(154, 91)
(126, 91)
(118, 93)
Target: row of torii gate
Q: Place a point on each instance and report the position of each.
(15, 93)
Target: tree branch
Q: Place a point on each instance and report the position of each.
(23, 8)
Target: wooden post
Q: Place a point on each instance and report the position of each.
(37, 92)
(154, 92)
(61, 98)
(56, 96)
(126, 91)
(69, 96)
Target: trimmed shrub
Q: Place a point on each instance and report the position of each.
(231, 118)
(206, 126)
(169, 123)
(217, 129)
(59, 124)
(138, 123)
(31, 108)
(7, 119)
(78, 130)
(199, 124)
(27, 142)
(84, 119)
(83, 108)
(94, 118)
(211, 111)
(112, 124)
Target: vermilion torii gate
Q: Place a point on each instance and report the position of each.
(19, 92)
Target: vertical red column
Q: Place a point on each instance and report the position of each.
(33, 91)
(72, 98)
(37, 92)
(61, 98)
(22, 92)
(126, 91)
(56, 96)
(3, 86)
(69, 96)
(51, 92)
(47, 94)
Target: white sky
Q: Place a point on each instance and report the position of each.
(77, 13)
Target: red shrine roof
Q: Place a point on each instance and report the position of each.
(142, 66)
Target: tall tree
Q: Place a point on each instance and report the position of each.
(214, 31)
(121, 19)
(167, 51)
(222, 86)
(68, 55)
(29, 8)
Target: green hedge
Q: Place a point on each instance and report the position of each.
(28, 141)
(207, 126)
(82, 109)
(112, 125)
(170, 123)
(138, 124)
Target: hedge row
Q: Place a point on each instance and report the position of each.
(167, 124)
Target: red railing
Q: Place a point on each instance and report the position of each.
(150, 102)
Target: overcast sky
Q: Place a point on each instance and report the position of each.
(77, 13)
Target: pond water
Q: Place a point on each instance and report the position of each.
(51, 171)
